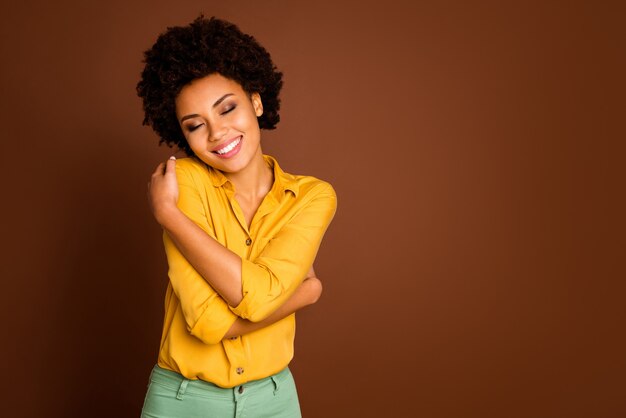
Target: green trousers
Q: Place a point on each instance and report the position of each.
(171, 395)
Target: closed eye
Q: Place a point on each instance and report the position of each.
(230, 109)
(193, 128)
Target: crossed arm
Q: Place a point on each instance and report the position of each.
(217, 265)
(306, 294)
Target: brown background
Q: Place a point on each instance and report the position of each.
(475, 267)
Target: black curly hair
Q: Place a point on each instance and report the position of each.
(206, 46)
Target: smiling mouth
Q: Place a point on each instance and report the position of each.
(228, 147)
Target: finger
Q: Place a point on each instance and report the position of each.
(170, 165)
(159, 170)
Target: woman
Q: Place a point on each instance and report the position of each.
(240, 234)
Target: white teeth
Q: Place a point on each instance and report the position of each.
(229, 147)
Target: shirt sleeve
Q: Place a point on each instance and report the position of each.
(207, 315)
(269, 280)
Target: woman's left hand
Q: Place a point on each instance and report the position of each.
(163, 190)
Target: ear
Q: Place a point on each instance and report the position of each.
(255, 98)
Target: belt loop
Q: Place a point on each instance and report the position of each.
(182, 389)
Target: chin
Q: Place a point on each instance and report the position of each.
(229, 166)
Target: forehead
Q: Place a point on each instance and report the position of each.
(206, 90)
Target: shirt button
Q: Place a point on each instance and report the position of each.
(248, 242)
(240, 389)
(239, 370)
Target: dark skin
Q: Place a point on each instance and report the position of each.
(216, 114)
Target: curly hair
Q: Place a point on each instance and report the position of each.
(206, 46)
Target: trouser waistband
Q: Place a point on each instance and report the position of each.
(183, 385)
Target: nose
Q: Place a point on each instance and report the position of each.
(217, 132)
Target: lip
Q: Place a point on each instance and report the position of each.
(232, 152)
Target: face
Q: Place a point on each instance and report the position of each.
(219, 121)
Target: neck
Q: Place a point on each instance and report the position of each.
(256, 180)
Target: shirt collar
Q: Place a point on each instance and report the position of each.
(282, 181)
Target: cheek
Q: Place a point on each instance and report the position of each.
(247, 119)
(195, 141)
(241, 121)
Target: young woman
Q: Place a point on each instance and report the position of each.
(240, 234)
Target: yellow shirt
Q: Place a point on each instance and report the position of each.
(277, 251)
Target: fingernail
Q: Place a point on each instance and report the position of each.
(172, 158)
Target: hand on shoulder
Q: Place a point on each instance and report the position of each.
(163, 190)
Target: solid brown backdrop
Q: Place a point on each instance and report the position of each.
(475, 264)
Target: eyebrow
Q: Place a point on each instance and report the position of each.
(217, 102)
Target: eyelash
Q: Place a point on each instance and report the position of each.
(228, 110)
(193, 128)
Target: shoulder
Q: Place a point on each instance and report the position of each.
(315, 197)
(304, 187)
(309, 186)
(313, 192)
(192, 170)
(189, 165)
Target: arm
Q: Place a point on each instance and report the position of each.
(207, 315)
(210, 319)
(219, 266)
(270, 279)
(257, 288)
(306, 294)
